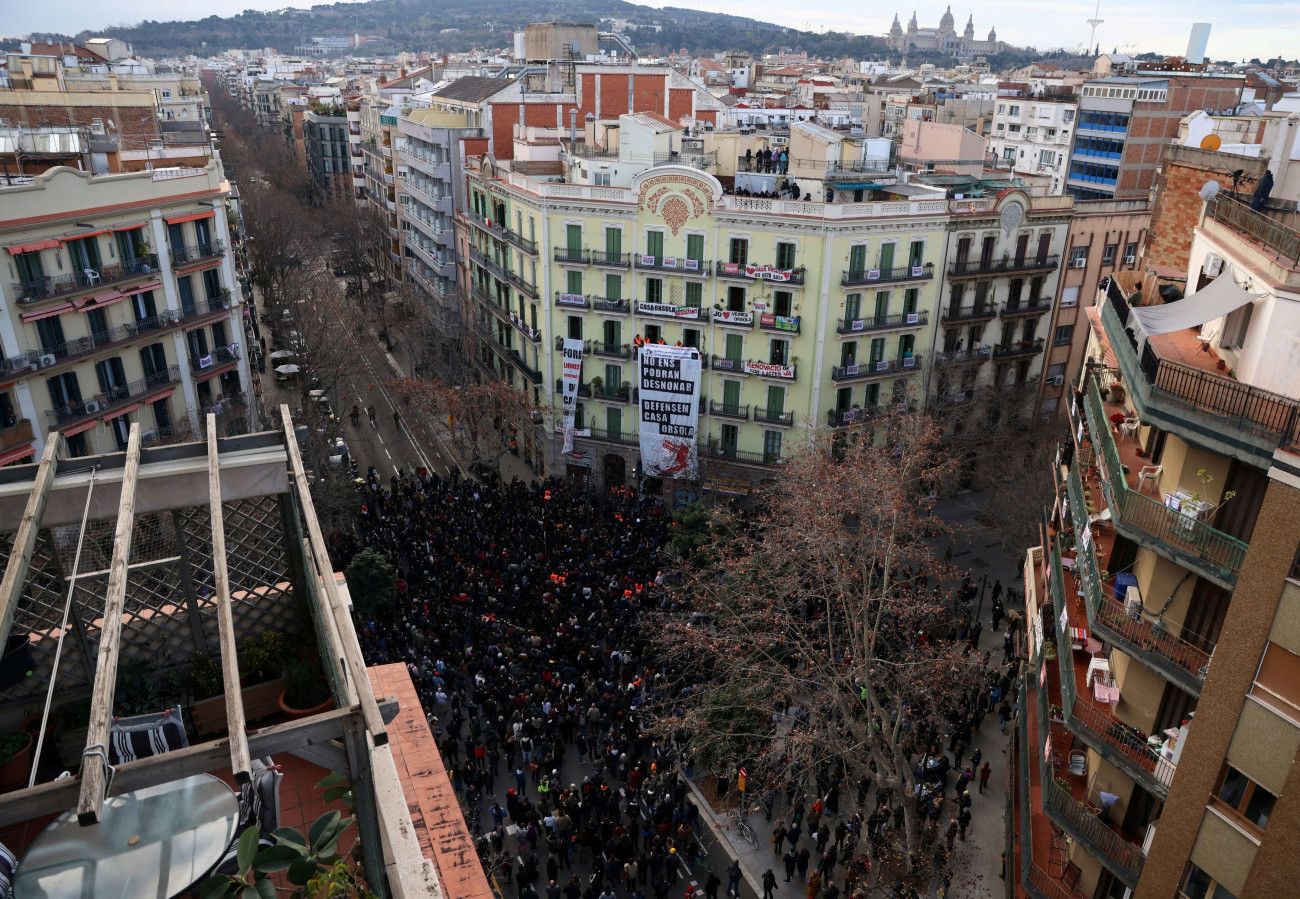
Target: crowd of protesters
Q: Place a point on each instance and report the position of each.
(517, 617)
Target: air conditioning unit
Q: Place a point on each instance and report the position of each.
(1129, 260)
(47, 360)
(1056, 380)
(1212, 265)
(90, 407)
(1081, 262)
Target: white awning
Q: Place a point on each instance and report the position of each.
(1212, 301)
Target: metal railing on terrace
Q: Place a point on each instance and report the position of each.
(859, 325)
(970, 268)
(210, 249)
(50, 286)
(108, 400)
(501, 232)
(702, 161)
(1027, 306)
(216, 358)
(1282, 242)
(856, 277)
(1191, 541)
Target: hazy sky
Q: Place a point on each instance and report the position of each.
(1262, 28)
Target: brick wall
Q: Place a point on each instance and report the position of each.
(135, 124)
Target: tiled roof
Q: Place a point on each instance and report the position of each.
(472, 88)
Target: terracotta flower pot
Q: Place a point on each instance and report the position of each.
(304, 713)
(14, 772)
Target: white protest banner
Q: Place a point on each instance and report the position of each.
(570, 375)
(670, 401)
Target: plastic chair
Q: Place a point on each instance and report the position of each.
(1079, 763)
(1150, 473)
(143, 736)
(92, 276)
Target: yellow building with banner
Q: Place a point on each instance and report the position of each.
(806, 314)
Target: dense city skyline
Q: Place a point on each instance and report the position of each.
(1161, 26)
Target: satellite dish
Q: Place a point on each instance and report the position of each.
(1210, 191)
(1211, 142)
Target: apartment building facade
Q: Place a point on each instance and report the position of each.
(328, 151)
(430, 171)
(1157, 751)
(1033, 136)
(1126, 122)
(122, 306)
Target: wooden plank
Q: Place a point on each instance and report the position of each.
(90, 806)
(363, 797)
(20, 558)
(354, 665)
(58, 796)
(240, 761)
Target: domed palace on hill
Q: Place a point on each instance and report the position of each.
(943, 39)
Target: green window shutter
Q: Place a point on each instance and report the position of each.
(735, 346)
(882, 304)
(613, 333)
(613, 242)
(731, 395)
(914, 252)
(694, 293)
(574, 281)
(886, 257)
(654, 244)
(853, 307)
(906, 344)
(695, 247)
(775, 399)
(877, 350)
(573, 237)
(909, 299)
(739, 250)
(613, 422)
(857, 260)
(614, 287)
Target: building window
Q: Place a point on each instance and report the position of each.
(600, 179)
(654, 290)
(1063, 335)
(1047, 157)
(1078, 257)
(1069, 296)
(1056, 371)
(1013, 110)
(1199, 885)
(1277, 683)
(785, 256)
(1108, 254)
(1245, 801)
(1130, 253)
(739, 251)
(1013, 129)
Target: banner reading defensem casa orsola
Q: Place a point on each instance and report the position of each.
(670, 402)
(570, 375)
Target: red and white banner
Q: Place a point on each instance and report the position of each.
(670, 402)
(570, 375)
(768, 272)
(644, 308)
(727, 317)
(769, 370)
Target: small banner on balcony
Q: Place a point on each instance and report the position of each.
(909, 361)
(691, 265)
(851, 370)
(873, 274)
(728, 317)
(670, 262)
(917, 271)
(645, 308)
(913, 318)
(670, 401)
(572, 299)
(768, 272)
(730, 268)
(648, 260)
(570, 375)
(205, 362)
(769, 370)
(858, 324)
(780, 322)
(882, 365)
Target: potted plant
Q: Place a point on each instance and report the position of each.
(263, 657)
(310, 862)
(597, 384)
(15, 759)
(305, 691)
(1049, 649)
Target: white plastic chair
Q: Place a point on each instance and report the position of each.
(1150, 473)
(92, 276)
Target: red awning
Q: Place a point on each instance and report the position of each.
(72, 237)
(116, 413)
(95, 302)
(189, 218)
(33, 247)
(45, 313)
(77, 429)
(130, 227)
(16, 453)
(160, 396)
(141, 288)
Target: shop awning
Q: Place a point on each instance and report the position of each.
(117, 413)
(15, 453)
(192, 217)
(77, 429)
(130, 227)
(33, 246)
(103, 299)
(45, 313)
(1214, 300)
(71, 237)
(141, 288)
(854, 185)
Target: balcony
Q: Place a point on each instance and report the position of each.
(750, 272)
(17, 434)
(734, 318)
(50, 287)
(881, 368)
(1281, 242)
(631, 438)
(500, 232)
(584, 390)
(1085, 715)
(1203, 407)
(611, 260)
(213, 362)
(1026, 306)
(1153, 643)
(670, 264)
(1147, 520)
(573, 257)
(608, 304)
(785, 323)
(104, 404)
(838, 418)
(883, 323)
(729, 410)
(668, 310)
(572, 300)
(559, 346)
(974, 355)
(518, 360)
(860, 277)
(611, 394)
(976, 313)
(774, 417)
(1018, 349)
(972, 269)
(612, 350)
(701, 161)
(198, 253)
(723, 363)
(726, 451)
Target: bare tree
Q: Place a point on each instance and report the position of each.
(812, 642)
(484, 419)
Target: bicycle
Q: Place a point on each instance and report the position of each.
(738, 818)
